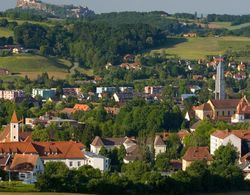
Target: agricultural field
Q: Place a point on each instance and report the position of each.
(226, 25)
(200, 47)
(33, 65)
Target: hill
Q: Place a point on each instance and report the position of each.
(195, 48)
(33, 65)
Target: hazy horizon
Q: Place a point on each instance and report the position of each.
(171, 6)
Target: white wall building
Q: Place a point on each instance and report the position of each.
(223, 138)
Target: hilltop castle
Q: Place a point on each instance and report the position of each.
(56, 10)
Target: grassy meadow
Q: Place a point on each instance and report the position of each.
(200, 47)
(5, 32)
(33, 65)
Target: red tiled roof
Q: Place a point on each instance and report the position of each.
(242, 134)
(59, 150)
(82, 107)
(224, 104)
(197, 153)
(21, 159)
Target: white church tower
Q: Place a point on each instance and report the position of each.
(14, 128)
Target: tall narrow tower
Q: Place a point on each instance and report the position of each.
(220, 82)
(14, 128)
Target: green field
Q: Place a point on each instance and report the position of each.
(196, 48)
(227, 25)
(5, 32)
(33, 65)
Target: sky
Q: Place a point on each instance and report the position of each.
(170, 6)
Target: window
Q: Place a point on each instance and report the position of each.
(14, 137)
(223, 113)
(14, 126)
(79, 163)
(217, 113)
(229, 113)
(70, 163)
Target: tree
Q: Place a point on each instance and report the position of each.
(162, 162)
(134, 171)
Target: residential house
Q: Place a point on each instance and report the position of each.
(44, 93)
(240, 76)
(159, 145)
(131, 66)
(11, 94)
(123, 97)
(238, 138)
(100, 90)
(74, 92)
(242, 112)
(194, 154)
(27, 167)
(77, 107)
(153, 89)
(217, 109)
(241, 67)
(222, 138)
(71, 153)
(97, 161)
(4, 71)
(108, 143)
(190, 35)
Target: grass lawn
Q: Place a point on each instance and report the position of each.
(195, 48)
(33, 65)
(5, 32)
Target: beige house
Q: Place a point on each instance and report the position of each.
(217, 109)
(194, 154)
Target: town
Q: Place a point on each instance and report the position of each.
(126, 102)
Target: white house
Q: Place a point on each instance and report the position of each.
(220, 138)
(97, 161)
(242, 112)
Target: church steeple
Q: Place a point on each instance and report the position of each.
(14, 128)
(220, 81)
(14, 118)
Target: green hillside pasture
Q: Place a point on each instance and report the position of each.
(227, 25)
(33, 65)
(5, 32)
(196, 48)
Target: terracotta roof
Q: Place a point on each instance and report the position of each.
(4, 135)
(227, 103)
(242, 134)
(59, 150)
(204, 106)
(82, 107)
(68, 110)
(4, 160)
(243, 107)
(197, 153)
(14, 118)
(245, 158)
(17, 147)
(20, 162)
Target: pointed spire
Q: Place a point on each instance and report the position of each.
(14, 118)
